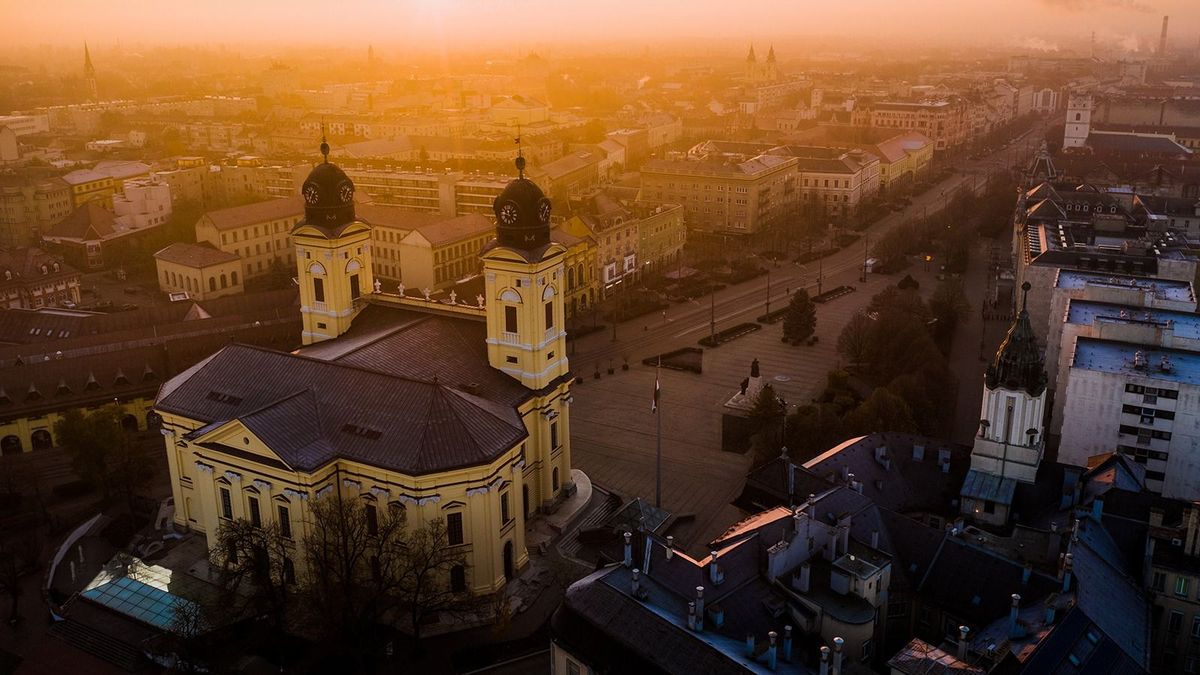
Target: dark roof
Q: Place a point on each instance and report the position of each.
(61, 383)
(1120, 142)
(976, 585)
(897, 481)
(417, 345)
(89, 222)
(311, 411)
(25, 264)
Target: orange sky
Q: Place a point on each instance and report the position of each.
(454, 24)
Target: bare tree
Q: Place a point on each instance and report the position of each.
(426, 589)
(355, 558)
(257, 570)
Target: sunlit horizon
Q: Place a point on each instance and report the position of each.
(705, 26)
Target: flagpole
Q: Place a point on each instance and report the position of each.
(658, 440)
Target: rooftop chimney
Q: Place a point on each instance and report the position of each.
(837, 655)
(787, 643)
(635, 583)
(691, 616)
(1026, 573)
(875, 539)
(962, 642)
(750, 645)
(772, 655)
(805, 577)
(1068, 562)
(1014, 627)
(670, 546)
(699, 608)
(628, 549)
(714, 570)
(824, 661)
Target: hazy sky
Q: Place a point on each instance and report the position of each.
(450, 24)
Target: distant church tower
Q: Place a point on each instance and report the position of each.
(333, 253)
(523, 274)
(772, 71)
(1079, 121)
(1011, 440)
(89, 75)
(751, 65)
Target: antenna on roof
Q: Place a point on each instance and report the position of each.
(520, 157)
(324, 145)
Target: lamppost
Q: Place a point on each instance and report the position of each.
(866, 249)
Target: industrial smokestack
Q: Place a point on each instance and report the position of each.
(1162, 39)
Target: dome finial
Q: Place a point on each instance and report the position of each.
(520, 161)
(324, 145)
(1025, 295)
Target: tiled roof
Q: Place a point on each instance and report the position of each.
(258, 212)
(449, 230)
(88, 222)
(416, 345)
(311, 412)
(197, 256)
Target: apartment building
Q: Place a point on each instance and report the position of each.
(947, 123)
(725, 196)
(28, 208)
(258, 233)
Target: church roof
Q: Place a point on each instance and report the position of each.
(311, 412)
(1018, 363)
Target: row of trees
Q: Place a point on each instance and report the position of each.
(366, 570)
(103, 453)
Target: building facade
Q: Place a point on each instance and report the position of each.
(392, 428)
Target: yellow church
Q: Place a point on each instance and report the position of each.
(452, 410)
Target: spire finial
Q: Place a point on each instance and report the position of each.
(520, 157)
(324, 144)
(1025, 295)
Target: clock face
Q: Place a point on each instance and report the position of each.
(310, 194)
(346, 192)
(544, 210)
(508, 214)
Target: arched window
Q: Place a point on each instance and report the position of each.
(224, 281)
(10, 445)
(233, 278)
(316, 269)
(41, 439)
(353, 266)
(548, 294)
(212, 284)
(509, 295)
(571, 279)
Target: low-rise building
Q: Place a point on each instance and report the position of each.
(947, 123)
(30, 278)
(257, 233)
(438, 254)
(202, 271)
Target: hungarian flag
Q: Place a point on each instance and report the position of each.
(657, 387)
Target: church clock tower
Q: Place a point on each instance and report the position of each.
(523, 272)
(333, 253)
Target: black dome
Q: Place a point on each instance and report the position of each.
(328, 196)
(1018, 363)
(522, 214)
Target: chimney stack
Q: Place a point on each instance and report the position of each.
(962, 643)
(699, 608)
(691, 616)
(670, 546)
(714, 572)
(1026, 573)
(636, 584)
(805, 577)
(750, 645)
(824, 661)
(837, 655)
(1068, 563)
(1162, 39)
(1014, 628)
(787, 643)
(629, 549)
(772, 655)
(875, 539)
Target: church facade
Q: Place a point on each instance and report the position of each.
(457, 411)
